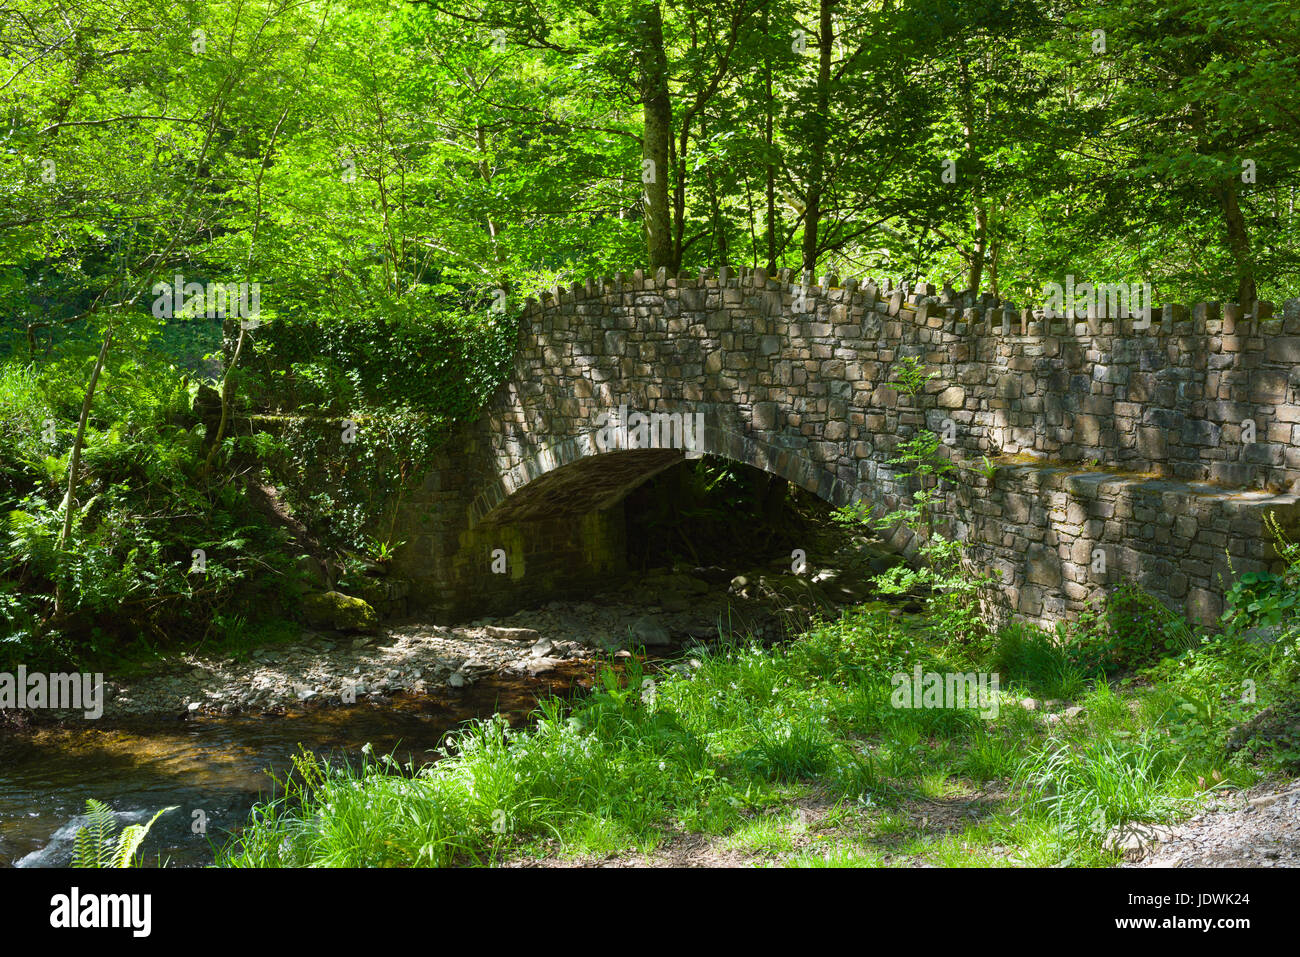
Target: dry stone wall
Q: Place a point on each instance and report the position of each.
(1126, 451)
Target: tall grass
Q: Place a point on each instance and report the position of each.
(1038, 661)
(1090, 787)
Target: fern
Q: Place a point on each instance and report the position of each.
(99, 845)
(88, 847)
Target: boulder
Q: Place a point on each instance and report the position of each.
(649, 632)
(333, 609)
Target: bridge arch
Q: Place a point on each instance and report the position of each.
(797, 382)
(552, 523)
(615, 465)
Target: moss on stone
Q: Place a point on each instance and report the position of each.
(333, 609)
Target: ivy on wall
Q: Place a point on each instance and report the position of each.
(368, 399)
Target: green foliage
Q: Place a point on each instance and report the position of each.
(608, 771)
(910, 376)
(1260, 598)
(1088, 788)
(99, 845)
(127, 571)
(863, 645)
(1131, 629)
(404, 371)
(951, 588)
(1038, 660)
(715, 747)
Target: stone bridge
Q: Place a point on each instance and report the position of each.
(1126, 451)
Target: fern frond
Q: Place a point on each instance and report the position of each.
(90, 847)
(94, 845)
(132, 837)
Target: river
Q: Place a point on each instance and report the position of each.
(215, 767)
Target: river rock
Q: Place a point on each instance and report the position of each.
(537, 666)
(511, 634)
(650, 632)
(333, 609)
(1136, 839)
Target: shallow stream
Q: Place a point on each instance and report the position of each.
(214, 768)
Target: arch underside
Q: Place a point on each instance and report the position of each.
(574, 477)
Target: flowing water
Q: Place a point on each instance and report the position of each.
(214, 768)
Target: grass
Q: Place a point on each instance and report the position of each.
(1086, 788)
(791, 755)
(1038, 662)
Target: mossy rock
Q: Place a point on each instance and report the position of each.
(333, 609)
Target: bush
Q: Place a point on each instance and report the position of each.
(1260, 599)
(1132, 629)
(128, 569)
(406, 370)
(863, 643)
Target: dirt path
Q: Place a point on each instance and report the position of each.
(1256, 828)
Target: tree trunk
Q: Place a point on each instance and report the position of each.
(977, 258)
(677, 157)
(719, 226)
(994, 249)
(817, 165)
(771, 170)
(485, 173)
(1238, 243)
(981, 215)
(74, 462)
(658, 133)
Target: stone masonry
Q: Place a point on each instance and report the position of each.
(1149, 455)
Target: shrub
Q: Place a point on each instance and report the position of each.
(1132, 629)
(127, 569)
